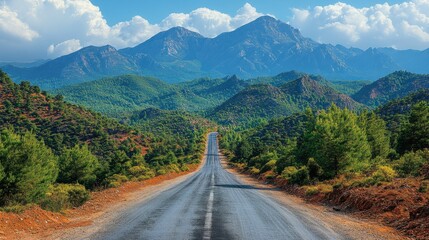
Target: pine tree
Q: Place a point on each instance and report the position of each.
(337, 142)
(29, 168)
(376, 133)
(78, 165)
(415, 134)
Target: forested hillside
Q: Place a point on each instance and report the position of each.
(124, 94)
(266, 101)
(176, 135)
(395, 85)
(52, 152)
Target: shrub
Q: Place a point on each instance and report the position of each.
(184, 168)
(424, 186)
(27, 168)
(296, 176)
(288, 172)
(141, 172)
(314, 169)
(411, 163)
(16, 208)
(311, 190)
(63, 196)
(254, 171)
(384, 174)
(78, 165)
(116, 180)
(269, 166)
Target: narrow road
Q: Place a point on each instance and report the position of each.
(214, 204)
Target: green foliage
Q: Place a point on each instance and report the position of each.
(300, 177)
(411, 163)
(78, 165)
(117, 95)
(296, 176)
(287, 156)
(264, 101)
(314, 169)
(269, 166)
(336, 142)
(29, 168)
(392, 86)
(62, 126)
(254, 171)
(415, 135)
(383, 174)
(63, 196)
(424, 186)
(349, 87)
(141, 172)
(376, 133)
(116, 180)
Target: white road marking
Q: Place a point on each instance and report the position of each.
(209, 214)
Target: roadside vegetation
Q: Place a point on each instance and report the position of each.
(356, 161)
(53, 153)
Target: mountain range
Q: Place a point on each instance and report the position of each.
(263, 47)
(232, 100)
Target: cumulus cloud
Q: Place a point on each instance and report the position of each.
(11, 26)
(403, 26)
(211, 23)
(52, 28)
(64, 48)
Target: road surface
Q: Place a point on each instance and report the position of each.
(213, 204)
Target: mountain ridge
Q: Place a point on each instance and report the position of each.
(265, 46)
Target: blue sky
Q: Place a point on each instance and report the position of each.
(156, 10)
(32, 30)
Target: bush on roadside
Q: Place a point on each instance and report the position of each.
(63, 196)
(296, 176)
(424, 186)
(141, 172)
(383, 174)
(411, 163)
(269, 166)
(116, 180)
(254, 171)
(311, 190)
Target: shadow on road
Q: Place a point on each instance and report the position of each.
(246, 187)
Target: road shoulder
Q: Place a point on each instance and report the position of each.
(345, 224)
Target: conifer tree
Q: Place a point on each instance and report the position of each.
(415, 134)
(376, 133)
(29, 167)
(337, 142)
(78, 165)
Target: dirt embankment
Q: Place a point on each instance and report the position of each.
(36, 223)
(400, 204)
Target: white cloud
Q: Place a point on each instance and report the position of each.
(11, 26)
(51, 28)
(211, 23)
(64, 48)
(403, 26)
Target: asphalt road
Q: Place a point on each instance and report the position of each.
(214, 204)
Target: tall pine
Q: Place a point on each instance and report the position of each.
(415, 134)
(337, 142)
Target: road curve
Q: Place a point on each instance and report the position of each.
(214, 204)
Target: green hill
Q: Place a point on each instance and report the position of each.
(113, 96)
(266, 101)
(395, 85)
(124, 94)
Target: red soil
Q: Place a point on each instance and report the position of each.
(36, 223)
